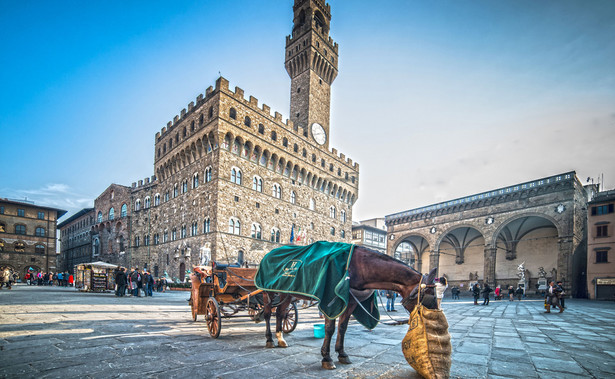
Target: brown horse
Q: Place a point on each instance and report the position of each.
(369, 271)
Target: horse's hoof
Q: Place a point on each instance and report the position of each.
(270, 345)
(282, 344)
(344, 360)
(328, 366)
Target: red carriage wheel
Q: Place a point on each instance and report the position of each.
(213, 317)
(289, 322)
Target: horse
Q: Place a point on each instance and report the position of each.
(369, 271)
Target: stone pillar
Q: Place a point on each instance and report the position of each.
(564, 261)
(434, 261)
(489, 265)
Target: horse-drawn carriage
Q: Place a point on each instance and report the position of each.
(222, 291)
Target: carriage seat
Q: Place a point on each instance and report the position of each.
(222, 266)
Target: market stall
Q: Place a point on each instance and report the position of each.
(95, 276)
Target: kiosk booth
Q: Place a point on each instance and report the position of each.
(95, 276)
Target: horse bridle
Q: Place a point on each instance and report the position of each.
(415, 292)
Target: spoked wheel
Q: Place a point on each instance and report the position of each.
(289, 323)
(213, 318)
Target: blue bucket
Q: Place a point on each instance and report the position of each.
(319, 330)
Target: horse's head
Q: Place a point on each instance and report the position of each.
(427, 292)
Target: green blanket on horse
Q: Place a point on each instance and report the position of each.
(318, 271)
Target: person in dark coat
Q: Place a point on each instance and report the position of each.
(560, 293)
(121, 280)
(486, 291)
(476, 292)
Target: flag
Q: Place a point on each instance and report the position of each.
(292, 233)
(299, 234)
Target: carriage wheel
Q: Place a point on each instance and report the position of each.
(213, 318)
(289, 323)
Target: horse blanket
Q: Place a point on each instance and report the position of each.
(318, 271)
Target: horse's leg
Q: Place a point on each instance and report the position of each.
(279, 314)
(342, 357)
(327, 362)
(267, 314)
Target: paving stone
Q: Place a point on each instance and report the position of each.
(101, 336)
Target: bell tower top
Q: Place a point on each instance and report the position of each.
(311, 63)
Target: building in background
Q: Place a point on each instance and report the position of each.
(234, 181)
(601, 246)
(372, 234)
(76, 240)
(28, 236)
(507, 236)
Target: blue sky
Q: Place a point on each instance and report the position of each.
(434, 99)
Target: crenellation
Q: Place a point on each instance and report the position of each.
(169, 124)
(190, 106)
(253, 101)
(239, 93)
(208, 91)
(134, 185)
(221, 84)
(277, 116)
(342, 156)
(158, 135)
(183, 113)
(175, 119)
(267, 109)
(290, 125)
(334, 152)
(140, 183)
(199, 99)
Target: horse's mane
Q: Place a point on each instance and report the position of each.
(386, 257)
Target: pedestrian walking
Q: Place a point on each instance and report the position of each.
(511, 293)
(519, 293)
(560, 293)
(498, 293)
(391, 295)
(476, 292)
(486, 291)
(120, 280)
(441, 286)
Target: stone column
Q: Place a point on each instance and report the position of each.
(434, 261)
(489, 265)
(564, 260)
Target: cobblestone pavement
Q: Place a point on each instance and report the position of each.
(51, 332)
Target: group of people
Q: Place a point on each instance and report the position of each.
(62, 279)
(137, 282)
(554, 296)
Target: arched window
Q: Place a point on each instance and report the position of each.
(174, 234)
(293, 197)
(236, 175)
(405, 253)
(343, 233)
(261, 129)
(165, 236)
(184, 186)
(148, 202)
(332, 212)
(39, 249)
(332, 231)
(206, 225)
(166, 196)
(156, 240)
(194, 230)
(304, 153)
(256, 231)
(312, 204)
(137, 241)
(208, 175)
(192, 126)
(175, 190)
(210, 112)
(39, 232)
(257, 184)
(96, 247)
(124, 210)
(183, 231)
(274, 136)
(138, 205)
(247, 121)
(277, 191)
(146, 240)
(111, 213)
(156, 199)
(201, 119)
(275, 235)
(285, 142)
(234, 226)
(343, 216)
(232, 113)
(99, 217)
(195, 180)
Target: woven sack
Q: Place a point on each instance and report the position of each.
(427, 345)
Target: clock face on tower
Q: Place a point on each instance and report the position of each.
(318, 132)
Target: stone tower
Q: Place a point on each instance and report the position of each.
(311, 62)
